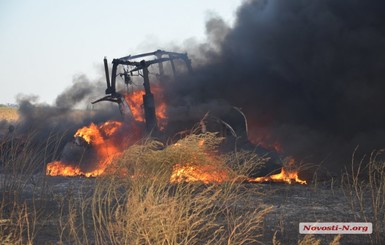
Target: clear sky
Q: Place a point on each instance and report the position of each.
(45, 43)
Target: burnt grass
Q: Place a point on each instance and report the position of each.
(290, 204)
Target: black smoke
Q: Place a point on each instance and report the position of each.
(307, 74)
(48, 128)
(68, 110)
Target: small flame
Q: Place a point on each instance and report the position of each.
(212, 172)
(198, 173)
(284, 176)
(215, 172)
(58, 168)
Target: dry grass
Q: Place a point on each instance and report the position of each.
(23, 190)
(136, 203)
(9, 114)
(144, 208)
(311, 239)
(364, 186)
(18, 161)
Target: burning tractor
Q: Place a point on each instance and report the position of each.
(129, 67)
(143, 110)
(144, 114)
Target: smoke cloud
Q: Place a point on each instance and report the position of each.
(307, 74)
(51, 127)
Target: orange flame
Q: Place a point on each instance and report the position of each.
(213, 172)
(198, 173)
(58, 168)
(98, 137)
(135, 102)
(284, 176)
(160, 105)
(288, 174)
(216, 172)
(101, 138)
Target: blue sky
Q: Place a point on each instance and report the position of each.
(45, 43)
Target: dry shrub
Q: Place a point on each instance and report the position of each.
(73, 216)
(182, 214)
(364, 186)
(310, 239)
(136, 204)
(244, 163)
(336, 240)
(157, 214)
(21, 158)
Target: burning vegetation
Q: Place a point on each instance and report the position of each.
(148, 107)
(288, 174)
(192, 159)
(314, 95)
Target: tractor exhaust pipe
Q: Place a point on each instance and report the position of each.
(107, 75)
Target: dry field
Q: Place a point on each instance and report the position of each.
(9, 114)
(135, 203)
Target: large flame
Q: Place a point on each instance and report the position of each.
(99, 138)
(214, 171)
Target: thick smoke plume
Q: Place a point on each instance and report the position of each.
(307, 74)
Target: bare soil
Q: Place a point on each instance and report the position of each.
(293, 204)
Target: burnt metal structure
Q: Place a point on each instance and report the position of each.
(148, 98)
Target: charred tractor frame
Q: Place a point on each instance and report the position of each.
(129, 67)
